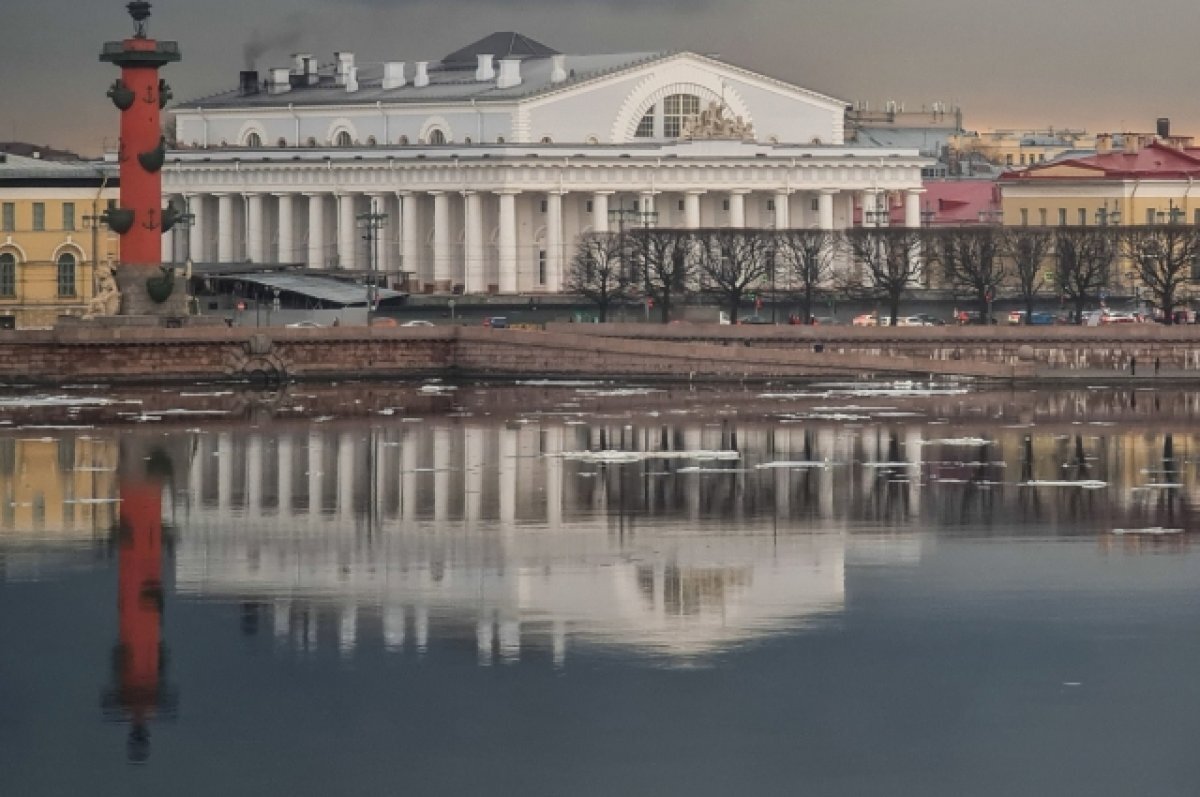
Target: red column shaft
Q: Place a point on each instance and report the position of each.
(139, 596)
(141, 190)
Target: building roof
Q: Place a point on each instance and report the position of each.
(37, 151)
(959, 201)
(500, 45)
(1155, 160)
(16, 170)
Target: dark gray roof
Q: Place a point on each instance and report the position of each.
(445, 84)
(501, 45)
(327, 289)
(17, 167)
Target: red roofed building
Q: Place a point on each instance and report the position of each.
(1146, 181)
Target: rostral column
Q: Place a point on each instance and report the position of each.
(146, 287)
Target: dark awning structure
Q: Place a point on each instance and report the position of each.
(308, 290)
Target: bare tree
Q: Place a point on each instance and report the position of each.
(732, 261)
(970, 260)
(891, 259)
(597, 272)
(807, 256)
(1027, 249)
(1162, 256)
(662, 262)
(1083, 259)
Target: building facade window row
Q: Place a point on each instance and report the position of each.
(12, 221)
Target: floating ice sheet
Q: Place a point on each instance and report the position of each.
(1087, 484)
(642, 456)
(794, 463)
(1155, 530)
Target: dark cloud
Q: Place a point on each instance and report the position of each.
(1090, 64)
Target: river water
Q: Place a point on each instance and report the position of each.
(596, 589)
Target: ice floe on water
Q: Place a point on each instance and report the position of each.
(620, 391)
(1154, 530)
(1087, 484)
(58, 401)
(796, 464)
(955, 441)
(611, 455)
(559, 382)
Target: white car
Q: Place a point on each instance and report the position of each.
(305, 325)
(417, 322)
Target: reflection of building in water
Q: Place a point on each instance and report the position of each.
(57, 488)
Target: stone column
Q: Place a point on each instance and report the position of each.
(254, 228)
(554, 242)
(507, 468)
(195, 206)
(441, 241)
(347, 232)
(737, 208)
(691, 209)
(474, 280)
(600, 211)
(287, 232)
(167, 242)
(224, 228)
(782, 215)
(825, 208)
(912, 207)
(284, 485)
(508, 241)
(254, 475)
(316, 230)
(408, 235)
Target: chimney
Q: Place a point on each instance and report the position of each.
(1103, 143)
(300, 63)
(1164, 127)
(485, 70)
(247, 82)
(421, 79)
(393, 75)
(311, 77)
(281, 81)
(352, 80)
(558, 68)
(345, 62)
(510, 73)
(1131, 143)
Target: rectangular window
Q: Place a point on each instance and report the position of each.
(541, 267)
(724, 204)
(1062, 217)
(588, 206)
(544, 204)
(1151, 216)
(1196, 217)
(8, 275)
(816, 204)
(1024, 217)
(39, 216)
(68, 215)
(8, 217)
(1083, 217)
(1008, 159)
(681, 204)
(66, 277)
(770, 204)
(1042, 216)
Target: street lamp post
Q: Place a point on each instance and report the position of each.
(371, 222)
(646, 218)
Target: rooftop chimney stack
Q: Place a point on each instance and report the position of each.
(393, 75)
(558, 68)
(352, 80)
(248, 82)
(1131, 143)
(510, 73)
(1164, 127)
(1103, 143)
(421, 79)
(486, 70)
(345, 62)
(281, 81)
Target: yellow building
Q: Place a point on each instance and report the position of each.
(1016, 148)
(48, 243)
(1147, 181)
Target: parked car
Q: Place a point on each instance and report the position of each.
(755, 319)
(304, 325)
(384, 321)
(417, 322)
(931, 321)
(1016, 317)
(496, 322)
(865, 320)
(1109, 317)
(969, 317)
(913, 321)
(1044, 318)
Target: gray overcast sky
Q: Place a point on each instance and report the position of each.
(1099, 64)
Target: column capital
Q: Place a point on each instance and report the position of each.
(784, 191)
(740, 191)
(508, 192)
(466, 192)
(604, 193)
(283, 194)
(404, 193)
(830, 191)
(436, 193)
(696, 191)
(914, 191)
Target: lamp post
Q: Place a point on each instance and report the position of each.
(371, 222)
(647, 219)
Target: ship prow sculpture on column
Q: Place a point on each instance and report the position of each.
(142, 286)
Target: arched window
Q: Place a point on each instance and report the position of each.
(436, 136)
(8, 274)
(254, 141)
(499, 139)
(645, 128)
(343, 139)
(547, 140)
(676, 110)
(467, 140)
(310, 142)
(66, 274)
(371, 141)
(403, 141)
(593, 140)
(281, 143)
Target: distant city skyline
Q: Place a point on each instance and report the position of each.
(1066, 64)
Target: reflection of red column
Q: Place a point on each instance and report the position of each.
(139, 691)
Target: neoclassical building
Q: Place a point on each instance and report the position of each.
(488, 164)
